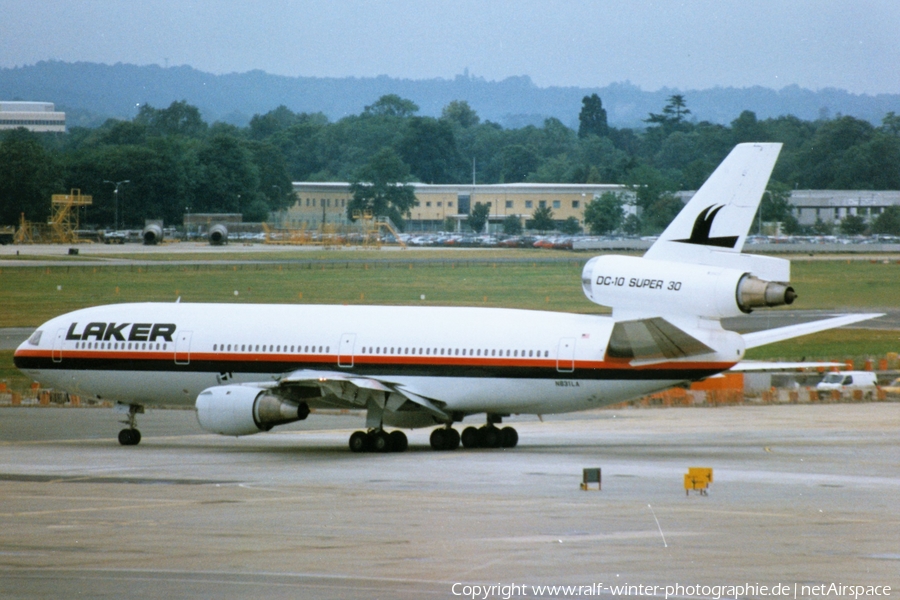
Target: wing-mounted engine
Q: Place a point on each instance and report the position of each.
(245, 410)
(638, 287)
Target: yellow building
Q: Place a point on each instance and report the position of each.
(326, 202)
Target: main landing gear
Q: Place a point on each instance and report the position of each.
(486, 436)
(130, 436)
(378, 440)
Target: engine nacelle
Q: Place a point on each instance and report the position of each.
(663, 287)
(152, 234)
(218, 234)
(244, 410)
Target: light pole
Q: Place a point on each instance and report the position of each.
(116, 194)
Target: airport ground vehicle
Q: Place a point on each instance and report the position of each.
(848, 382)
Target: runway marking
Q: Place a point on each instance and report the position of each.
(618, 535)
(226, 577)
(658, 526)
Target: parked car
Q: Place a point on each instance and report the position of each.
(848, 382)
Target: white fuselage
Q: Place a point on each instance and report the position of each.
(471, 359)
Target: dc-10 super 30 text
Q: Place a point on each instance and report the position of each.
(248, 368)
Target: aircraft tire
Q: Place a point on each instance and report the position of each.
(437, 438)
(379, 441)
(358, 442)
(399, 443)
(451, 439)
(129, 437)
(489, 437)
(509, 437)
(470, 437)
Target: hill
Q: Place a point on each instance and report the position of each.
(92, 92)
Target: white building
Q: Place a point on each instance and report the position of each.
(34, 116)
(833, 206)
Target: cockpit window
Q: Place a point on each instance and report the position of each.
(35, 338)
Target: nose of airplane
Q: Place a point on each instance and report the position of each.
(27, 347)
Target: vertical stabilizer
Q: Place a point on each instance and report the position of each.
(712, 227)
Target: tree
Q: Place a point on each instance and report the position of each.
(605, 214)
(672, 115)
(775, 206)
(429, 148)
(229, 179)
(280, 119)
(570, 226)
(392, 105)
(459, 112)
(542, 219)
(381, 187)
(888, 222)
(516, 162)
(27, 177)
(479, 216)
(822, 160)
(180, 118)
(632, 224)
(853, 225)
(660, 214)
(648, 185)
(592, 118)
(821, 227)
(891, 123)
(512, 225)
(746, 128)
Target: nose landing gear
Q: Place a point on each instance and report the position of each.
(130, 436)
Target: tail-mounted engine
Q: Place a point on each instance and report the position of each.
(244, 410)
(632, 284)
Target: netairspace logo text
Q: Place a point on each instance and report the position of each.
(713, 592)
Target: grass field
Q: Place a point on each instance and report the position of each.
(546, 281)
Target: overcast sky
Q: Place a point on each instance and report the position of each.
(853, 45)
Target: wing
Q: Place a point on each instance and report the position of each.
(760, 365)
(386, 399)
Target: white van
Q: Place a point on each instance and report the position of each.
(847, 382)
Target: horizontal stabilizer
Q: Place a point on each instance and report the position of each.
(770, 336)
(654, 338)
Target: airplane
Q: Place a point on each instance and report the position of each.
(248, 368)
